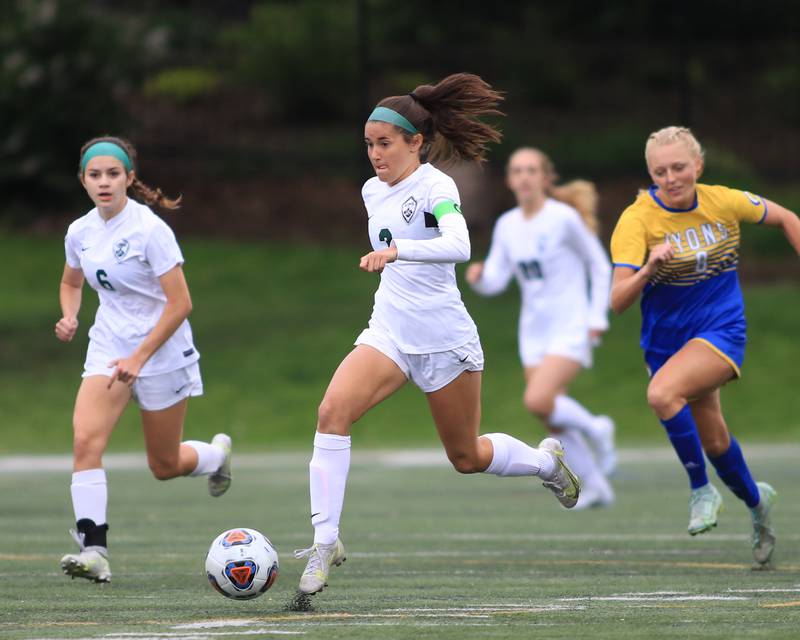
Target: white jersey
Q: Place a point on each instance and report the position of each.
(122, 260)
(418, 302)
(563, 272)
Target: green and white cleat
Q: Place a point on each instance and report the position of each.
(220, 481)
(90, 562)
(564, 484)
(705, 504)
(763, 533)
(320, 559)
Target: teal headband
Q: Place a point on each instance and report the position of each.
(106, 149)
(384, 114)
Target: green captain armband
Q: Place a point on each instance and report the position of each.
(443, 208)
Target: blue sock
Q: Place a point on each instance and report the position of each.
(733, 471)
(682, 432)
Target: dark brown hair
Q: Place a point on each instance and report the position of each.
(150, 195)
(447, 115)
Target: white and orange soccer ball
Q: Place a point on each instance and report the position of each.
(241, 564)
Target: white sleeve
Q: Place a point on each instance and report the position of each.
(596, 260)
(451, 246)
(71, 251)
(497, 268)
(162, 251)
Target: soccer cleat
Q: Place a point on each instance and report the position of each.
(320, 558)
(596, 492)
(604, 445)
(90, 562)
(705, 504)
(220, 481)
(564, 484)
(763, 533)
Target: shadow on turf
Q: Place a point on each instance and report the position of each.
(300, 602)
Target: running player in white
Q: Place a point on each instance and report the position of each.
(140, 345)
(419, 329)
(551, 249)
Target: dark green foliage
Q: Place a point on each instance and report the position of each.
(65, 74)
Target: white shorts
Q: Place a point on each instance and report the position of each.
(577, 347)
(429, 371)
(153, 393)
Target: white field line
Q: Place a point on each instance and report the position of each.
(589, 537)
(401, 458)
(646, 598)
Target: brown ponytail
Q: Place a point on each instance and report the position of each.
(150, 195)
(451, 109)
(581, 195)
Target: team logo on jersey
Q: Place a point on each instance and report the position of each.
(409, 208)
(753, 198)
(121, 249)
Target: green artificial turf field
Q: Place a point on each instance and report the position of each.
(431, 555)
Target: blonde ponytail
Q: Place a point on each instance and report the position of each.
(581, 195)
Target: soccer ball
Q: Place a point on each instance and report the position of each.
(242, 564)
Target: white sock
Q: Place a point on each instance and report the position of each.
(568, 413)
(209, 457)
(90, 495)
(513, 457)
(328, 476)
(578, 456)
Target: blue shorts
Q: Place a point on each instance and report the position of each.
(726, 343)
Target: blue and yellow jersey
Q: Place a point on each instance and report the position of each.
(697, 291)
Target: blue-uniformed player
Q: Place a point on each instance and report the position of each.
(677, 246)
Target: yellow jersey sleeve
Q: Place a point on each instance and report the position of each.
(745, 206)
(629, 241)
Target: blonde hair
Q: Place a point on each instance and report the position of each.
(581, 195)
(670, 135)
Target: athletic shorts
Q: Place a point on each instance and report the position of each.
(429, 371)
(727, 344)
(153, 393)
(575, 346)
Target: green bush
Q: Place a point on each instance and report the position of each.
(182, 84)
(301, 55)
(64, 76)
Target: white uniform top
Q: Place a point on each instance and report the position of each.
(122, 260)
(418, 302)
(550, 254)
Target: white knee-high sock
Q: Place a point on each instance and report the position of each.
(209, 457)
(90, 495)
(568, 413)
(578, 456)
(513, 457)
(328, 476)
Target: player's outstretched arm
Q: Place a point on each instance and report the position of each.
(789, 223)
(69, 296)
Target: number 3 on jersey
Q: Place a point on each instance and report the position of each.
(102, 279)
(385, 236)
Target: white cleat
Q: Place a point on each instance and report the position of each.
(705, 504)
(564, 484)
(763, 533)
(604, 445)
(596, 492)
(220, 481)
(320, 559)
(90, 562)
